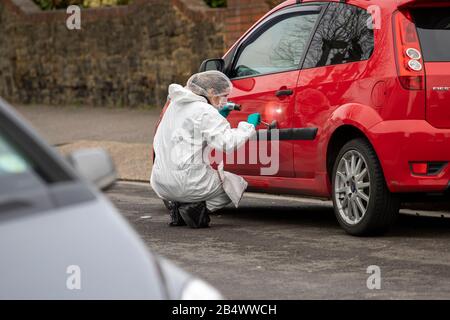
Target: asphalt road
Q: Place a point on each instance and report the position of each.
(286, 248)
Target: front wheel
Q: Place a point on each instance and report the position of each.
(362, 202)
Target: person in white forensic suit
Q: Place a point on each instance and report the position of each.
(193, 123)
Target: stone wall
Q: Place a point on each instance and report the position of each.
(123, 56)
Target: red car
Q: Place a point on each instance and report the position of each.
(360, 92)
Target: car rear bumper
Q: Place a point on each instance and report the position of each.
(399, 143)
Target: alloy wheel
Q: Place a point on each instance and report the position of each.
(352, 187)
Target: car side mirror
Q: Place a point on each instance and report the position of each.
(95, 165)
(212, 64)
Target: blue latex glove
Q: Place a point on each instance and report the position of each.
(254, 119)
(225, 110)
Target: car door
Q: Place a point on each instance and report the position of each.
(264, 72)
(334, 73)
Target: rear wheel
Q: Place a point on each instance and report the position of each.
(362, 202)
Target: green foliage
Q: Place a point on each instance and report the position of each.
(61, 4)
(216, 3)
(56, 4)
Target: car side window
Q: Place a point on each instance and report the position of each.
(343, 35)
(18, 174)
(11, 161)
(279, 48)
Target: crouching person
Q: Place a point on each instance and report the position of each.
(194, 121)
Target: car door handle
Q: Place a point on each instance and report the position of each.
(284, 92)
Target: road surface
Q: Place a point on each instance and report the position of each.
(288, 248)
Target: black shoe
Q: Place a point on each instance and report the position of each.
(196, 215)
(175, 219)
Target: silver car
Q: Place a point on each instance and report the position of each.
(60, 238)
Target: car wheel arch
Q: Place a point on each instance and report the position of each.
(338, 139)
(350, 121)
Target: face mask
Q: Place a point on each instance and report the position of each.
(218, 101)
(223, 101)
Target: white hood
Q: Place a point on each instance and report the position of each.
(180, 95)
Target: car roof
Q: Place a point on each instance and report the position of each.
(389, 4)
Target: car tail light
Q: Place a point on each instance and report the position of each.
(408, 55)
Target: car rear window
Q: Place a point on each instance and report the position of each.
(433, 26)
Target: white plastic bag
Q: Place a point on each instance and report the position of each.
(233, 185)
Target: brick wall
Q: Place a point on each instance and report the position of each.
(241, 15)
(237, 18)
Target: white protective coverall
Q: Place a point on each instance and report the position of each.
(181, 172)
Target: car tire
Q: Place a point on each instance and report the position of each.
(363, 204)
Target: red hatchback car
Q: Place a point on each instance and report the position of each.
(360, 91)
